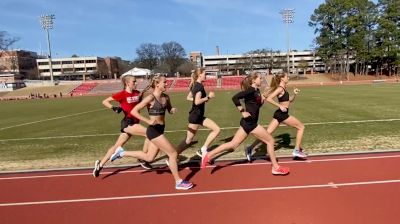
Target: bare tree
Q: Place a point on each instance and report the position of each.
(6, 41)
(186, 68)
(148, 55)
(173, 55)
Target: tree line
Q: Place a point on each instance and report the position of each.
(358, 35)
(169, 57)
(351, 35)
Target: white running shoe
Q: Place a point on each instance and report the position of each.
(299, 153)
(117, 154)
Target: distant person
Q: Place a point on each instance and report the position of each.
(281, 115)
(196, 119)
(157, 104)
(128, 98)
(248, 124)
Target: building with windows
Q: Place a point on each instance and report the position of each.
(78, 68)
(21, 63)
(300, 62)
(196, 57)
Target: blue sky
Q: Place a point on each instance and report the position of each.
(117, 27)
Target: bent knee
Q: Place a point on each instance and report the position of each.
(150, 158)
(173, 154)
(233, 146)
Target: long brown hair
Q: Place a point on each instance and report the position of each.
(248, 80)
(275, 81)
(152, 84)
(195, 76)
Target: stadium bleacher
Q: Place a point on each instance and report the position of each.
(84, 88)
(181, 84)
(210, 83)
(231, 81)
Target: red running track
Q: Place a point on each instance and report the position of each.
(363, 188)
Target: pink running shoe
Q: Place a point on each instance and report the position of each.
(204, 161)
(281, 170)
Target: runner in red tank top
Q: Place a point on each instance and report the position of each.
(128, 98)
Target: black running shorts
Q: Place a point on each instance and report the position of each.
(153, 131)
(281, 116)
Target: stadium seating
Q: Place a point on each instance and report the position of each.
(231, 82)
(181, 84)
(210, 83)
(170, 83)
(107, 87)
(84, 88)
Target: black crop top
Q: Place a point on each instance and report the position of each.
(158, 108)
(284, 97)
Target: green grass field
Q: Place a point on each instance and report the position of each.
(70, 132)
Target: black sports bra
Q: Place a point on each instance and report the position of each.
(158, 108)
(284, 97)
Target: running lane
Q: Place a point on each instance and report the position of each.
(332, 189)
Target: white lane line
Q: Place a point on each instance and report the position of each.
(50, 119)
(173, 131)
(57, 137)
(211, 166)
(202, 193)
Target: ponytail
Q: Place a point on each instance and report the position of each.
(152, 84)
(248, 80)
(195, 76)
(275, 81)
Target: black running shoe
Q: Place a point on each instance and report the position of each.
(146, 165)
(97, 168)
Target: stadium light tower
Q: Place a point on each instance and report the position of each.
(47, 24)
(287, 15)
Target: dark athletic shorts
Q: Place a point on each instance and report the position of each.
(248, 124)
(281, 116)
(125, 122)
(196, 117)
(153, 131)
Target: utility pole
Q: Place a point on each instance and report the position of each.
(47, 23)
(287, 15)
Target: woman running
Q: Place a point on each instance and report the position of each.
(197, 119)
(157, 104)
(128, 98)
(248, 124)
(281, 115)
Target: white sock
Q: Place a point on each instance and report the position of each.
(178, 181)
(203, 149)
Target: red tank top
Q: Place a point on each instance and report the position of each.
(127, 101)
